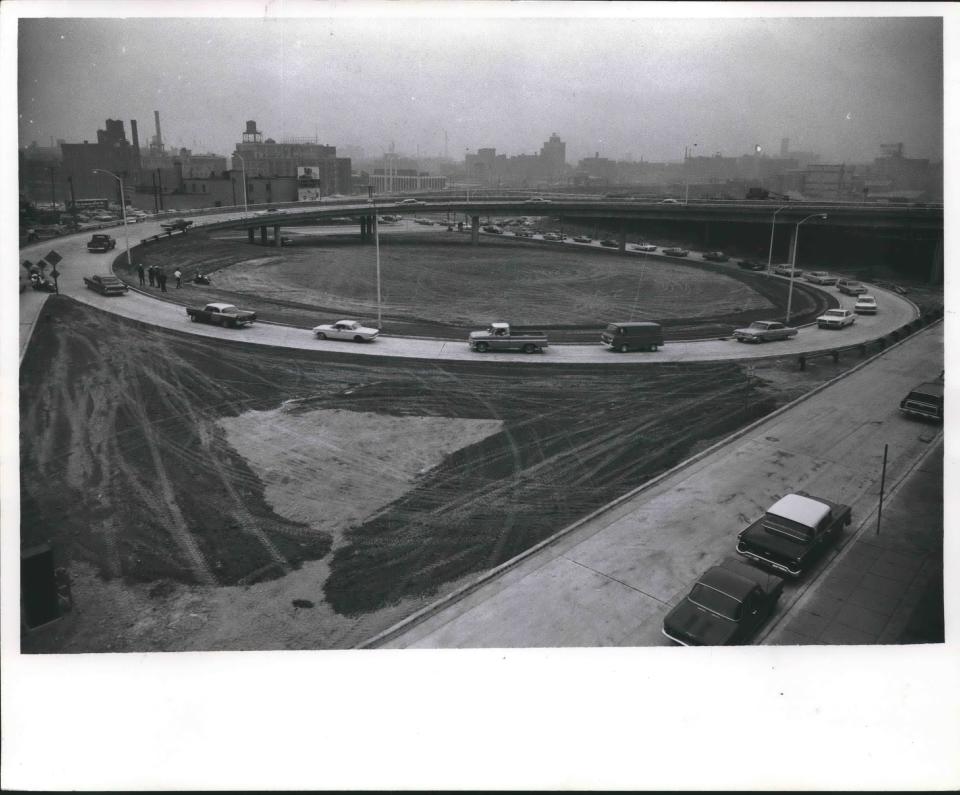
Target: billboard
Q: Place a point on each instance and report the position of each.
(308, 194)
(308, 172)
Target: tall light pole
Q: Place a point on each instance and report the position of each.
(123, 208)
(686, 178)
(793, 259)
(376, 244)
(772, 228)
(243, 171)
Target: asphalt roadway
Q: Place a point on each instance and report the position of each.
(609, 580)
(145, 307)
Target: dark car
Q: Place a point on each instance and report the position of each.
(726, 606)
(609, 243)
(925, 401)
(850, 287)
(675, 252)
(176, 224)
(638, 336)
(492, 230)
(715, 256)
(582, 239)
(751, 265)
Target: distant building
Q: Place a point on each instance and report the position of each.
(553, 159)
(268, 159)
(112, 152)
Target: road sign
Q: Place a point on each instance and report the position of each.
(53, 257)
(55, 273)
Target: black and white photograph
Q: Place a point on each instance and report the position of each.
(478, 395)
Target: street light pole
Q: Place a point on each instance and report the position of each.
(376, 244)
(686, 177)
(793, 260)
(243, 172)
(123, 209)
(772, 228)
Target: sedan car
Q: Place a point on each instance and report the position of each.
(866, 305)
(492, 230)
(726, 606)
(787, 270)
(715, 256)
(552, 236)
(764, 331)
(669, 201)
(645, 247)
(538, 200)
(609, 243)
(675, 252)
(751, 265)
(836, 318)
(820, 277)
(582, 239)
(175, 224)
(850, 287)
(403, 202)
(345, 330)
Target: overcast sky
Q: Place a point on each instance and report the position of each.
(642, 86)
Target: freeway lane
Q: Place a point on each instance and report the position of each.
(78, 262)
(610, 580)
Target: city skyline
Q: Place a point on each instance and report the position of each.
(647, 88)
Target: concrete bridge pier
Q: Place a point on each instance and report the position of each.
(250, 235)
(277, 240)
(622, 239)
(363, 229)
(263, 235)
(475, 229)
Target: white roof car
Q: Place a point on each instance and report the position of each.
(865, 302)
(346, 330)
(802, 510)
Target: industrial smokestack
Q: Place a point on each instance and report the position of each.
(136, 143)
(156, 119)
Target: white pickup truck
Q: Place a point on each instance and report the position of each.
(498, 337)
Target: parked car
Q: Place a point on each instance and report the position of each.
(725, 607)
(715, 256)
(793, 532)
(582, 239)
(820, 277)
(645, 247)
(538, 200)
(850, 287)
(866, 305)
(669, 201)
(552, 236)
(523, 233)
(408, 202)
(640, 336)
(493, 230)
(786, 269)
(925, 401)
(345, 330)
(675, 252)
(609, 243)
(105, 285)
(764, 331)
(836, 318)
(751, 265)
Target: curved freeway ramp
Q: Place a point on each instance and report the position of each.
(78, 262)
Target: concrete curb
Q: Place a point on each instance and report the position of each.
(33, 324)
(465, 590)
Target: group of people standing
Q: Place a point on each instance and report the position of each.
(157, 276)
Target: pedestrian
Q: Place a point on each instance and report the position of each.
(152, 273)
(162, 278)
(178, 276)
(140, 273)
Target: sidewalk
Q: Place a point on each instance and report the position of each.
(874, 591)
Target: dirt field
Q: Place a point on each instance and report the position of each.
(209, 496)
(439, 285)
